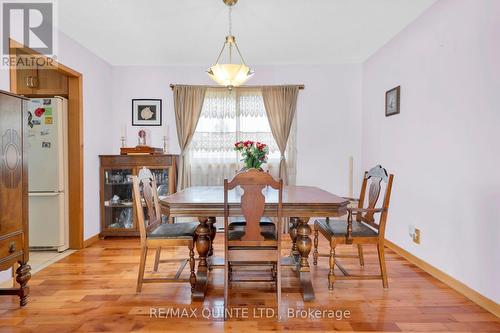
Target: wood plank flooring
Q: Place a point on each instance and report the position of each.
(93, 290)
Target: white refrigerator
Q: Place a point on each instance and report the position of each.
(48, 174)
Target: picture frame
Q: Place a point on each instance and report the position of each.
(146, 112)
(392, 101)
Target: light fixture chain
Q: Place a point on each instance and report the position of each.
(230, 21)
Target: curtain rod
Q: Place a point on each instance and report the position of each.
(301, 86)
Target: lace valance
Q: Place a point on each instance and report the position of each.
(220, 104)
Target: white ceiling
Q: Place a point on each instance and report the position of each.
(168, 32)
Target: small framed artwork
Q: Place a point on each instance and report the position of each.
(392, 101)
(146, 112)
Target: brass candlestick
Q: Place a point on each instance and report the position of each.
(165, 145)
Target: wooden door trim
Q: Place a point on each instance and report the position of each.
(75, 139)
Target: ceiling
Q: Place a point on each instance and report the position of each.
(183, 32)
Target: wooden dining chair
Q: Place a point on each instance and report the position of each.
(238, 222)
(364, 230)
(155, 234)
(252, 244)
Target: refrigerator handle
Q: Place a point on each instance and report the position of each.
(45, 194)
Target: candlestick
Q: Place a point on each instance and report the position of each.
(351, 185)
(123, 141)
(165, 144)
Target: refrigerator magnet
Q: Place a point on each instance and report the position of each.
(45, 131)
(39, 112)
(35, 122)
(47, 101)
(48, 111)
(48, 120)
(30, 119)
(45, 144)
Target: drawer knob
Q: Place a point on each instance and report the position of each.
(12, 247)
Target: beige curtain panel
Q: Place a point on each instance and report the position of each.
(281, 105)
(188, 102)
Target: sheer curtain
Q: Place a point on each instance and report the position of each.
(227, 117)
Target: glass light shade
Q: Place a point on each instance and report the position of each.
(230, 75)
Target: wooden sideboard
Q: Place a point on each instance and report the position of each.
(118, 215)
(14, 246)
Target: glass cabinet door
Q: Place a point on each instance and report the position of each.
(118, 203)
(162, 183)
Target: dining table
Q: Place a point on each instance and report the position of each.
(300, 203)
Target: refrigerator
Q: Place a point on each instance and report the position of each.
(48, 174)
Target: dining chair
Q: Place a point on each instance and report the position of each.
(252, 243)
(155, 234)
(238, 222)
(364, 230)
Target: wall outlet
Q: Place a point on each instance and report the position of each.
(416, 236)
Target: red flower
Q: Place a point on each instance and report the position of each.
(260, 146)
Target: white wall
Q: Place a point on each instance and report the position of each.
(97, 115)
(329, 113)
(96, 119)
(443, 147)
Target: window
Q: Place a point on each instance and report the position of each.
(227, 117)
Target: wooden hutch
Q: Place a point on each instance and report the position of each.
(118, 215)
(14, 249)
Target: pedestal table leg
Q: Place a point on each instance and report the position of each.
(303, 244)
(203, 245)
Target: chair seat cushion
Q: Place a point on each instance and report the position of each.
(174, 230)
(339, 228)
(240, 221)
(238, 232)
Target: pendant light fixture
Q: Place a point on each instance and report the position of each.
(230, 74)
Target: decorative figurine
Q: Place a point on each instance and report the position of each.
(142, 138)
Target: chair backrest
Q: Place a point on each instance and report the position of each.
(372, 181)
(145, 193)
(252, 182)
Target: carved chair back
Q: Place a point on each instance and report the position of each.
(373, 182)
(146, 196)
(252, 182)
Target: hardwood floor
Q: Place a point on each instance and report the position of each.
(93, 290)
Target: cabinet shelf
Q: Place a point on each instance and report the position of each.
(119, 205)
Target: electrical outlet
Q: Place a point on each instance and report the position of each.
(416, 236)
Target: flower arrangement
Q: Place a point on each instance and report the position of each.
(254, 153)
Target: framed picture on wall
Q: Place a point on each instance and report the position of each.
(392, 101)
(146, 112)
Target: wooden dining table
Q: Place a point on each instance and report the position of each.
(300, 203)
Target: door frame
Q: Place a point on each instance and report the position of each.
(75, 138)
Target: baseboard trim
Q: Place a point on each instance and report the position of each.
(90, 241)
(451, 282)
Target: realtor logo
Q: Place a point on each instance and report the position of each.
(30, 24)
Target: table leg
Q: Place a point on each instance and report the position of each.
(292, 231)
(213, 232)
(203, 245)
(303, 244)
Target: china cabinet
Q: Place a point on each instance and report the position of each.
(118, 215)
